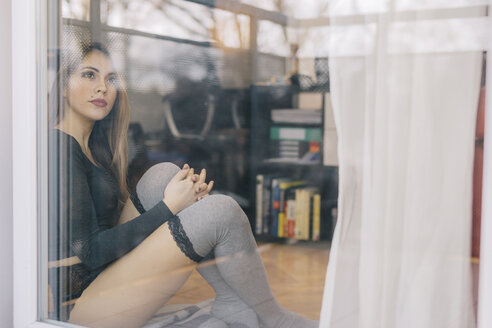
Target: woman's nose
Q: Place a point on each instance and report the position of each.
(101, 87)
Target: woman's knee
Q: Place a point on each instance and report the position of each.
(226, 210)
(211, 220)
(150, 188)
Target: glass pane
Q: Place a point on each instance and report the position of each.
(437, 4)
(148, 87)
(270, 98)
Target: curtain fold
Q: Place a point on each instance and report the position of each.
(405, 110)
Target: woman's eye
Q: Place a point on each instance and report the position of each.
(113, 80)
(88, 74)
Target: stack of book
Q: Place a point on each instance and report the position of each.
(295, 144)
(287, 208)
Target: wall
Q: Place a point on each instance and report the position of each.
(6, 262)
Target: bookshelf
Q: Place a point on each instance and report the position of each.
(294, 188)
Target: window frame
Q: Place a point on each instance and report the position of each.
(29, 87)
(24, 145)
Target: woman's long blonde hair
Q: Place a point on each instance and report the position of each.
(108, 142)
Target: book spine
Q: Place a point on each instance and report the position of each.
(259, 204)
(316, 217)
(299, 208)
(281, 223)
(266, 204)
(275, 206)
(291, 218)
(306, 215)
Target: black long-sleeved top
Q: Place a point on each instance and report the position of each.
(83, 220)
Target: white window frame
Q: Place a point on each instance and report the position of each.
(28, 67)
(25, 55)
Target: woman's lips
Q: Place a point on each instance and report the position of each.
(99, 102)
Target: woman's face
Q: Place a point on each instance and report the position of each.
(92, 88)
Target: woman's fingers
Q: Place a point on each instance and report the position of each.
(191, 173)
(200, 187)
(210, 186)
(183, 173)
(200, 184)
(203, 176)
(206, 193)
(204, 189)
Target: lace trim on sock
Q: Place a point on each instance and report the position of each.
(182, 239)
(136, 202)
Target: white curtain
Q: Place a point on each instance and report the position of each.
(405, 83)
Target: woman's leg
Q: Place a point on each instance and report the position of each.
(128, 292)
(133, 288)
(227, 305)
(218, 223)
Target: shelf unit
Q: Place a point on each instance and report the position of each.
(265, 98)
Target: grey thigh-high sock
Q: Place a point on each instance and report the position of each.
(227, 305)
(217, 223)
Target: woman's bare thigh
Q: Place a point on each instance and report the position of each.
(133, 288)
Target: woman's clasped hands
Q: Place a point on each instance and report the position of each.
(186, 188)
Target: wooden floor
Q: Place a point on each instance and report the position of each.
(296, 274)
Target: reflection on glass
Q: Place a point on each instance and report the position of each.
(77, 9)
(176, 18)
(126, 227)
(298, 9)
(180, 19)
(115, 248)
(273, 39)
(231, 30)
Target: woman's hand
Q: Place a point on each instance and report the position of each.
(202, 189)
(180, 191)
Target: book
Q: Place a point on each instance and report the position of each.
(283, 187)
(275, 204)
(259, 204)
(295, 133)
(290, 216)
(310, 100)
(303, 212)
(316, 209)
(297, 116)
(263, 203)
(281, 224)
(292, 149)
(267, 192)
(299, 208)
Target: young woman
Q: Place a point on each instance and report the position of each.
(116, 258)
